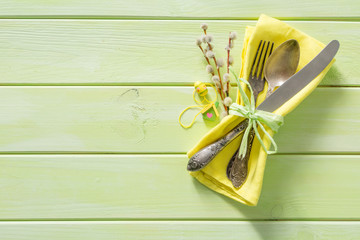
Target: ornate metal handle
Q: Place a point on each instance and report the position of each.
(208, 153)
(237, 169)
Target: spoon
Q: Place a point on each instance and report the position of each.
(279, 67)
(281, 64)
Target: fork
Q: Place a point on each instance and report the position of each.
(237, 168)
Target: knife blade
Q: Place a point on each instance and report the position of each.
(300, 79)
(286, 91)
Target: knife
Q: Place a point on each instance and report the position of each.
(286, 91)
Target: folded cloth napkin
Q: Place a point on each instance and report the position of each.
(214, 174)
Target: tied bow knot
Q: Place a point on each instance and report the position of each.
(250, 115)
(256, 118)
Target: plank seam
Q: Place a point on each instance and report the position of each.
(108, 85)
(166, 154)
(114, 17)
(139, 220)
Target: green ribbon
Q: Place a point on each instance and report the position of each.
(256, 118)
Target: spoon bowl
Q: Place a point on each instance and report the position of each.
(282, 64)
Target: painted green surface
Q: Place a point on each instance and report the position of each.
(144, 120)
(147, 49)
(189, 230)
(180, 8)
(151, 187)
(143, 52)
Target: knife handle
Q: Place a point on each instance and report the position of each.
(205, 155)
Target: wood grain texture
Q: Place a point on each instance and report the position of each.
(158, 187)
(137, 52)
(202, 230)
(181, 9)
(145, 120)
(40, 45)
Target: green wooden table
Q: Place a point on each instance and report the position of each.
(90, 147)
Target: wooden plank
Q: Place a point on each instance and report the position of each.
(180, 9)
(158, 187)
(139, 52)
(145, 120)
(206, 230)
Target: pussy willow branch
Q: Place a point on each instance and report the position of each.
(217, 67)
(212, 73)
(219, 74)
(206, 58)
(227, 67)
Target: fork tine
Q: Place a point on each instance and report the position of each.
(264, 59)
(256, 78)
(270, 52)
(271, 49)
(256, 73)
(252, 67)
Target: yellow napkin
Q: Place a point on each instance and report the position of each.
(214, 174)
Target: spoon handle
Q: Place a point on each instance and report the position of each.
(237, 170)
(269, 91)
(204, 156)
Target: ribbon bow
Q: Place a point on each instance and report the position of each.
(256, 118)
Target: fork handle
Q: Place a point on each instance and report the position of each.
(205, 155)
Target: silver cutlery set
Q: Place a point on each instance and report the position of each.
(276, 67)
